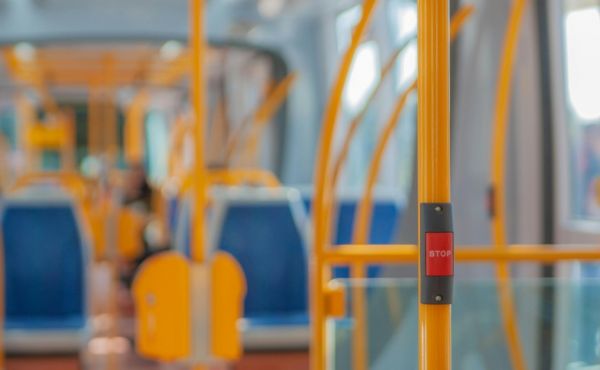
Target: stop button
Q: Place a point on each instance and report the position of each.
(439, 254)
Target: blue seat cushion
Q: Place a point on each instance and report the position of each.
(267, 243)
(44, 267)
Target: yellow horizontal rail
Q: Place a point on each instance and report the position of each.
(399, 254)
(235, 177)
(243, 176)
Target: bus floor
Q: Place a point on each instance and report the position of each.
(110, 347)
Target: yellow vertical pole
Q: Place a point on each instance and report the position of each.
(433, 163)
(134, 128)
(364, 210)
(94, 118)
(323, 194)
(69, 160)
(197, 96)
(498, 180)
(362, 219)
(198, 46)
(111, 122)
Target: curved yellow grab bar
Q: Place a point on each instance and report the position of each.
(498, 179)
(261, 116)
(365, 207)
(235, 177)
(69, 180)
(364, 210)
(323, 197)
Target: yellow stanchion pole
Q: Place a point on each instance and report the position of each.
(434, 184)
(498, 180)
(198, 47)
(365, 208)
(198, 50)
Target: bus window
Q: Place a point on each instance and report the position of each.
(363, 76)
(581, 27)
(364, 72)
(380, 43)
(404, 26)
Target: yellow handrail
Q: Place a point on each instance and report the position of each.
(433, 157)
(323, 198)
(261, 116)
(345, 255)
(265, 115)
(94, 117)
(498, 179)
(69, 180)
(31, 73)
(365, 208)
(234, 177)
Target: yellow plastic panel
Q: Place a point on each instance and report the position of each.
(39, 136)
(96, 217)
(228, 290)
(161, 294)
(130, 230)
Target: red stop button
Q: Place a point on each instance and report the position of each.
(439, 254)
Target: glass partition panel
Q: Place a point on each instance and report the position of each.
(565, 313)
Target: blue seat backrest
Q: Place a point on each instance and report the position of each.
(266, 240)
(173, 213)
(386, 214)
(44, 267)
(386, 217)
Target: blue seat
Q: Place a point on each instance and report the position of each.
(264, 230)
(265, 237)
(387, 211)
(45, 260)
